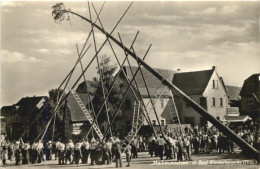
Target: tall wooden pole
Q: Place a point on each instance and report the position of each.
(242, 143)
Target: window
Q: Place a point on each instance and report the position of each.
(221, 102)
(162, 103)
(162, 122)
(154, 122)
(127, 104)
(218, 118)
(215, 84)
(213, 102)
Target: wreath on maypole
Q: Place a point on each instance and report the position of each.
(60, 12)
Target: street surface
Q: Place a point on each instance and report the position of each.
(200, 161)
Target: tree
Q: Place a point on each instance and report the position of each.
(57, 123)
(108, 70)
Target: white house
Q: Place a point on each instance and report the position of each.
(206, 88)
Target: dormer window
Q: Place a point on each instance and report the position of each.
(214, 84)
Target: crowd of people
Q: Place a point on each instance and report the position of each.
(65, 151)
(181, 144)
(177, 144)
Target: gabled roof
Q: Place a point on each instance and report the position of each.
(8, 110)
(29, 104)
(154, 85)
(251, 85)
(233, 92)
(77, 115)
(24, 105)
(29, 101)
(193, 83)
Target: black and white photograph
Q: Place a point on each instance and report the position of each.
(130, 84)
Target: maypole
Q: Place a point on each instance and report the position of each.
(242, 143)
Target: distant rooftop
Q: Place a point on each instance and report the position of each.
(193, 83)
(233, 92)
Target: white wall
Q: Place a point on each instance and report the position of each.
(217, 93)
(161, 111)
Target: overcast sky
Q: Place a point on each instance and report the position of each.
(37, 53)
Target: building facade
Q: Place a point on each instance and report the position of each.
(207, 89)
(18, 117)
(250, 96)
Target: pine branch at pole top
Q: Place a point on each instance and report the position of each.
(100, 72)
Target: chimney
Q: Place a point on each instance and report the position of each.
(214, 67)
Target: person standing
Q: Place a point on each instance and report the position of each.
(49, 151)
(77, 151)
(188, 148)
(109, 148)
(69, 150)
(56, 148)
(180, 149)
(196, 143)
(85, 151)
(60, 152)
(99, 153)
(10, 147)
(117, 149)
(174, 141)
(134, 148)
(168, 148)
(92, 149)
(151, 145)
(107, 152)
(161, 143)
(4, 154)
(17, 150)
(39, 147)
(128, 154)
(25, 153)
